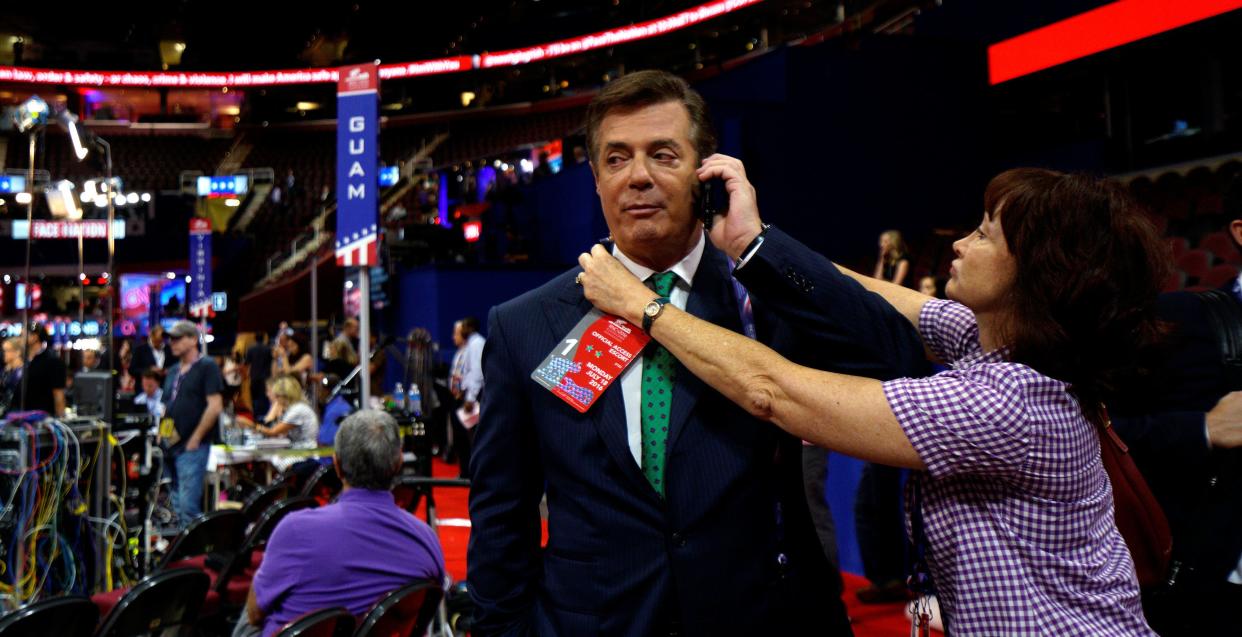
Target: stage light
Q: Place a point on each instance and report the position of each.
(307, 106)
(119, 199)
(189, 279)
(70, 122)
(131, 198)
(467, 97)
(146, 197)
(101, 201)
(23, 198)
(31, 114)
(232, 203)
(171, 276)
(526, 165)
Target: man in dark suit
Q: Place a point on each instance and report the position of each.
(712, 536)
(155, 352)
(1185, 434)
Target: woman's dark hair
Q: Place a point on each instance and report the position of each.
(1089, 265)
(301, 341)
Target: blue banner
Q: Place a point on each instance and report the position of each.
(357, 153)
(200, 267)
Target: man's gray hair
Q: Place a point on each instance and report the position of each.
(368, 448)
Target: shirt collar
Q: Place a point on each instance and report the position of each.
(354, 494)
(684, 269)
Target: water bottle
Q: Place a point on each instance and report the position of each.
(398, 396)
(416, 401)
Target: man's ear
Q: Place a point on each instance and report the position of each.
(1235, 231)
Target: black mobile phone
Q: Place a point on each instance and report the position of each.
(713, 199)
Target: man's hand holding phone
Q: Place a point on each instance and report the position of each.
(735, 227)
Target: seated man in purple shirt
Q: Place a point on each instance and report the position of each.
(349, 553)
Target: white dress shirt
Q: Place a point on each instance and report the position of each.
(467, 373)
(158, 353)
(631, 380)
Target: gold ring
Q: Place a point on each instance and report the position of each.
(578, 279)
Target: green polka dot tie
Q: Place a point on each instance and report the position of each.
(657, 397)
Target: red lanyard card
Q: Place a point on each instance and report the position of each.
(590, 358)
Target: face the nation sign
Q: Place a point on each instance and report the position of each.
(357, 152)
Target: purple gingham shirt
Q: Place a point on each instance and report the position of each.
(1017, 509)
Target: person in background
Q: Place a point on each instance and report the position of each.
(258, 364)
(155, 351)
(45, 374)
(929, 286)
(152, 393)
(124, 363)
(1184, 430)
(893, 265)
(90, 361)
(342, 358)
(290, 415)
(351, 330)
(466, 384)
(11, 377)
(193, 400)
(291, 355)
(315, 557)
(334, 408)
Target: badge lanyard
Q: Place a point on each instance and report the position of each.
(177, 383)
(920, 580)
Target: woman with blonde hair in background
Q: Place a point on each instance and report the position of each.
(893, 265)
(290, 416)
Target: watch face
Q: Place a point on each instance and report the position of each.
(652, 309)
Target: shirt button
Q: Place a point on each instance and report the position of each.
(679, 540)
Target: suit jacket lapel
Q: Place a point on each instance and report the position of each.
(608, 413)
(711, 299)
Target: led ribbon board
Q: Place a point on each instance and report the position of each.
(399, 70)
(1107, 27)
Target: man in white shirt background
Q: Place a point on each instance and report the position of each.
(466, 383)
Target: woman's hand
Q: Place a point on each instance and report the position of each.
(611, 288)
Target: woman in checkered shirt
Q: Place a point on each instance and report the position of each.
(1052, 302)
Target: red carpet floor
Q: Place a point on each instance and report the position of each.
(878, 620)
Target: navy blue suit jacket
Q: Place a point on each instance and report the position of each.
(619, 560)
(1200, 489)
(144, 358)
